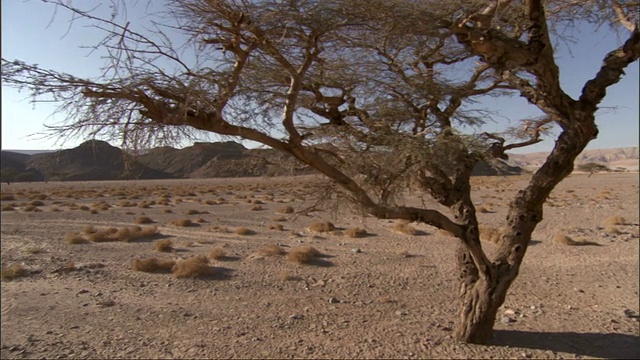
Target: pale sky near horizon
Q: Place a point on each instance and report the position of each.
(28, 34)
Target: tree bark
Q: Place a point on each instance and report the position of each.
(480, 298)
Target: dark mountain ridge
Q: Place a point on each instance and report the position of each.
(97, 160)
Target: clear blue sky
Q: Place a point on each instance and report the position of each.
(29, 34)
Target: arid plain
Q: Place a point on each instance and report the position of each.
(72, 288)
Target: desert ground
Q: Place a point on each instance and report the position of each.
(71, 288)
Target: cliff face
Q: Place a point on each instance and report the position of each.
(92, 160)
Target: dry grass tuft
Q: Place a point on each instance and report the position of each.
(144, 220)
(7, 197)
(612, 229)
(286, 210)
(181, 222)
(153, 265)
(217, 254)
(75, 238)
(278, 227)
(405, 228)
(303, 254)
(192, 267)
(164, 245)
(244, 231)
(484, 209)
(126, 234)
(490, 234)
(356, 233)
(272, 250)
(616, 220)
(442, 232)
(132, 233)
(257, 208)
(403, 253)
(285, 275)
(324, 226)
(13, 272)
(564, 239)
(279, 218)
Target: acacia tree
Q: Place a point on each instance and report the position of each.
(377, 101)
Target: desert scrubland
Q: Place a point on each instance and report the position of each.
(248, 268)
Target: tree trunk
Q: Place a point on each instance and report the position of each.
(477, 313)
(479, 300)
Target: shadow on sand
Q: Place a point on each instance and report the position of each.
(599, 345)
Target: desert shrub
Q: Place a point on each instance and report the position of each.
(192, 212)
(278, 227)
(167, 211)
(271, 250)
(217, 253)
(244, 231)
(490, 234)
(153, 265)
(7, 197)
(8, 208)
(29, 208)
(356, 233)
(303, 254)
(443, 232)
(616, 220)
(75, 238)
(405, 228)
(257, 208)
(324, 226)
(200, 220)
(36, 203)
(13, 272)
(163, 245)
(181, 222)
(279, 218)
(101, 205)
(403, 253)
(564, 239)
(592, 167)
(192, 267)
(144, 220)
(126, 234)
(34, 250)
(612, 229)
(484, 209)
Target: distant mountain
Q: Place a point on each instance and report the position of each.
(626, 158)
(92, 160)
(97, 160)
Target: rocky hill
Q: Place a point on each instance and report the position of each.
(92, 160)
(625, 158)
(97, 160)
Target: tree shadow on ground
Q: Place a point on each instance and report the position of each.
(598, 345)
(219, 273)
(320, 262)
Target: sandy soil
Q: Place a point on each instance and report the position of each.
(387, 295)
